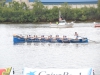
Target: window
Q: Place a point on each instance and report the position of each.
(8, 0)
(31, 0)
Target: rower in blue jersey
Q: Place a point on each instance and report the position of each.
(36, 37)
(50, 39)
(42, 37)
(65, 38)
(58, 39)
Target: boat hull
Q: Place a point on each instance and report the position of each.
(29, 40)
(84, 40)
(17, 39)
(61, 26)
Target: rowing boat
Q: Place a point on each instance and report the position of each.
(18, 39)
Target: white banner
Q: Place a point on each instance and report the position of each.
(30, 71)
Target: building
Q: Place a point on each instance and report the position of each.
(51, 3)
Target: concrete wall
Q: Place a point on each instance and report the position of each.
(74, 6)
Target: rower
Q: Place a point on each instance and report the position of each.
(57, 37)
(42, 37)
(76, 34)
(29, 36)
(65, 38)
(51, 37)
(36, 38)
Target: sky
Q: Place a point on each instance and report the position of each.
(66, 0)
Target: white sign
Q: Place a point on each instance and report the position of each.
(30, 71)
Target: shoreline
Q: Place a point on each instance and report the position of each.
(49, 22)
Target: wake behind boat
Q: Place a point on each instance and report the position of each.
(62, 24)
(49, 39)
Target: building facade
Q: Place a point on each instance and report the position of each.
(51, 3)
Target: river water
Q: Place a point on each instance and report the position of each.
(60, 56)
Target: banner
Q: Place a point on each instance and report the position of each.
(30, 71)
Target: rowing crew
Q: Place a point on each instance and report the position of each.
(42, 37)
(49, 37)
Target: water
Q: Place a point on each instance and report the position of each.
(61, 56)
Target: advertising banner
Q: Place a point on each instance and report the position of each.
(30, 71)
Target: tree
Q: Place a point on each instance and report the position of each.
(38, 10)
(2, 2)
(98, 4)
(98, 12)
(65, 10)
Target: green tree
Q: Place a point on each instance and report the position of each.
(20, 13)
(2, 2)
(38, 9)
(98, 4)
(65, 10)
(98, 12)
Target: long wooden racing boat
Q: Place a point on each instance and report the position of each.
(18, 39)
